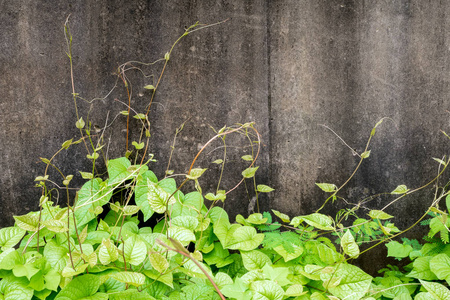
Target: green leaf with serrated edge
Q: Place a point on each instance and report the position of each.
(247, 158)
(166, 278)
(133, 278)
(82, 287)
(294, 290)
(195, 173)
(118, 170)
(283, 217)
(379, 214)
(10, 236)
(354, 282)
(316, 220)
(437, 290)
(249, 172)
(158, 198)
(12, 288)
(264, 188)
(401, 189)
(327, 187)
(266, 290)
(130, 295)
(141, 193)
(187, 222)
(91, 195)
(134, 250)
(254, 260)
(397, 250)
(107, 252)
(365, 154)
(440, 265)
(349, 245)
(86, 175)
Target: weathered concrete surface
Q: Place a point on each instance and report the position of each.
(288, 65)
(347, 64)
(216, 76)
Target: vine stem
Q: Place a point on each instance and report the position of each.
(186, 254)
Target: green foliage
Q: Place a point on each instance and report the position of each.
(96, 247)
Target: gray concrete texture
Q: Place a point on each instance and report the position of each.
(288, 66)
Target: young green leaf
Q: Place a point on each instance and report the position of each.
(327, 187)
(365, 154)
(217, 161)
(195, 173)
(264, 188)
(93, 156)
(379, 214)
(249, 172)
(80, 123)
(401, 189)
(285, 218)
(138, 146)
(247, 158)
(440, 161)
(349, 245)
(67, 144)
(86, 175)
(149, 87)
(140, 116)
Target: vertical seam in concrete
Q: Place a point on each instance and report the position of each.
(269, 91)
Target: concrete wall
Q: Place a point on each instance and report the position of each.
(289, 66)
